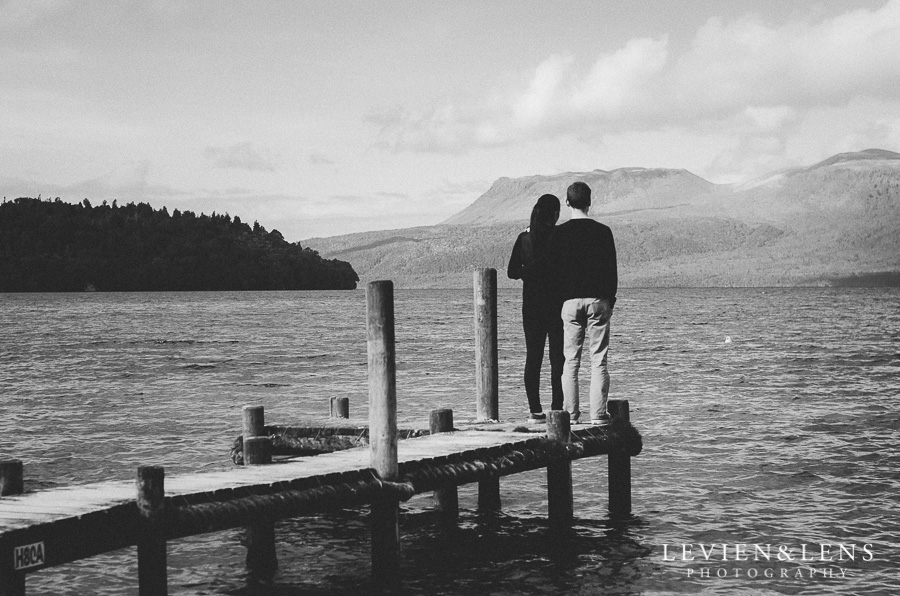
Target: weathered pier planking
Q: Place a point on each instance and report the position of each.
(78, 522)
(51, 527)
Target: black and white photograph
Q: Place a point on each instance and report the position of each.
(513, 297)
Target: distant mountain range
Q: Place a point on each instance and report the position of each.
(836, 222)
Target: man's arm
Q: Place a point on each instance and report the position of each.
(613, 268)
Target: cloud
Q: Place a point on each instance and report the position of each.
(769, 119)
(746, 62)
(441, 129)
(742, 76)
(320, 159)
(16, 14)
(298, 217)
(126, 183)
(393, 195)
(242, 156)
(544, 92)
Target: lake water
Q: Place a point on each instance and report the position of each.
(769, 417)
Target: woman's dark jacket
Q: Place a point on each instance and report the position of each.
(538, 293)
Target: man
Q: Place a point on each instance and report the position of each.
(583, 257)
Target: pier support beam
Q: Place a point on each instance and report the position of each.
(489, 495)
(151, 546)
(446, 500)
(619, 468)
(340, 407)
(12, 482)
(559, 474)
(259, 538)
(380, 345)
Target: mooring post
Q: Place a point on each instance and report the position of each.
(151, 544)
(253, 421)
(559, 474)
(259, 537)
(487, 381)
(619, 468)
(340, 407)
(12, 477)
(257, 445)
(383, 426)
(12, 482)
(446, 499)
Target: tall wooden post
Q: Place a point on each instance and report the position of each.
(619, 468)
(486, 374)
(151, 546)
(559, 474)
(12, 482)
(487, 382)
(446, 499)
(258, 537)
(382, 365)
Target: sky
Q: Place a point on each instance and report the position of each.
(320, 118)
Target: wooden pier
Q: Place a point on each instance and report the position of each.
(52, 527)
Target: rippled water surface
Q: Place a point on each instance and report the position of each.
(769, 416)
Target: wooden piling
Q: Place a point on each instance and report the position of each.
(382, 368)
(257, 445)
(489, 495)
(151, 544)
(253, 421)
(446, 499)
(559, 474)
(487, 381)
(259, 538)
(340, 407)
(257, 451)
(441, 421)
(12, 477)
(12, 482)
(619, 468)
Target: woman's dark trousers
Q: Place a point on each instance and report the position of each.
(539, 324)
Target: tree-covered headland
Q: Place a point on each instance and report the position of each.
(54, 246)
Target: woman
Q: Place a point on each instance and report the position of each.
(540, 307)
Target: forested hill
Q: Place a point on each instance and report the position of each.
(53, 246)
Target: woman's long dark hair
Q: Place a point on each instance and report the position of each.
(543, 217)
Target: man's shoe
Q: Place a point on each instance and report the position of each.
(537, 417)
(601, 421)
(575, 419)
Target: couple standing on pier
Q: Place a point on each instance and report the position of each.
(570, 279)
